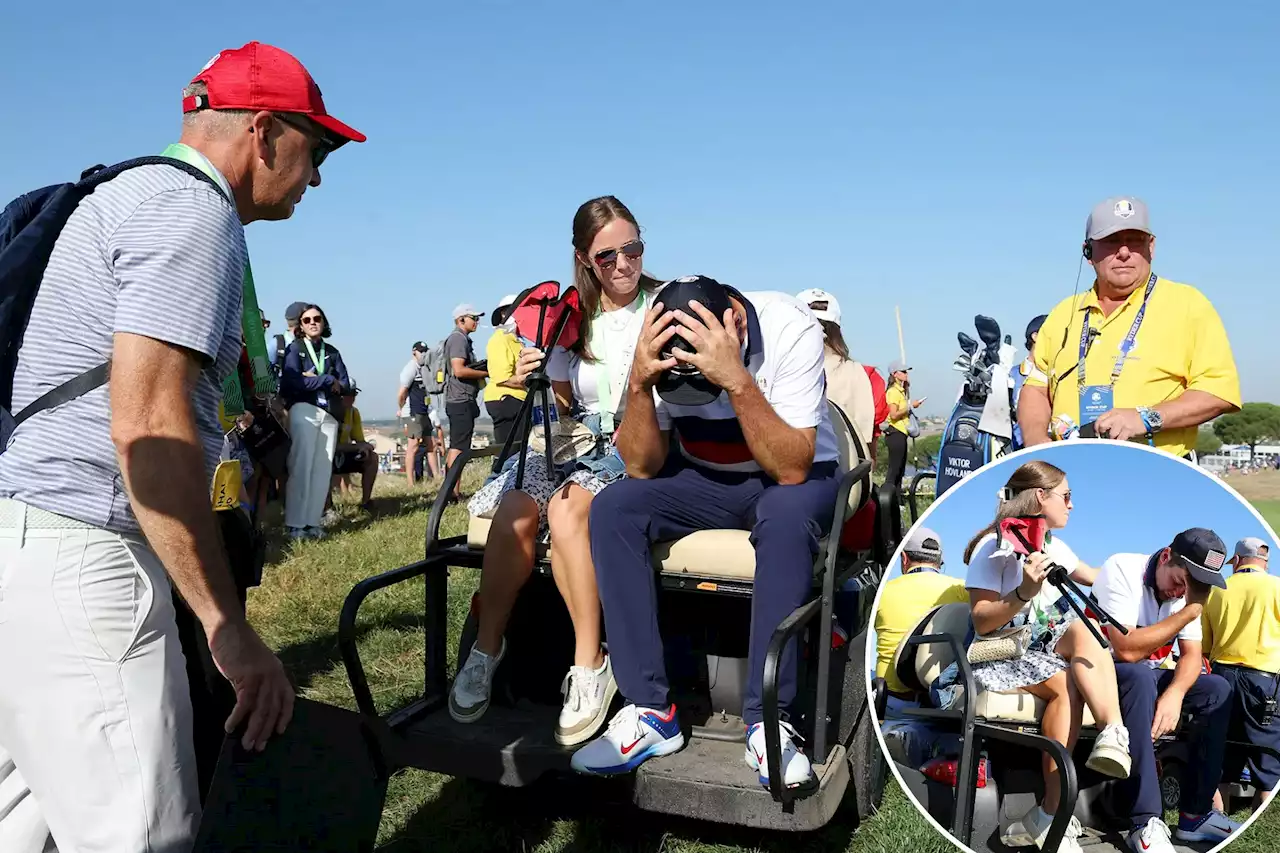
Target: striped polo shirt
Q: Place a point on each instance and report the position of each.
(153, 252)
(784, 352)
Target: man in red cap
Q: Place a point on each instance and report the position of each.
(96, 722)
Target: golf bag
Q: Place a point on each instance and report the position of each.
(969, 440)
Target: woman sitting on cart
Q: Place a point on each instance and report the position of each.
(1064, 663)
(589, 382)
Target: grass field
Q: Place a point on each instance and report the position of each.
(296, 609)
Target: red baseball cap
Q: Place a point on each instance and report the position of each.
(261, 77)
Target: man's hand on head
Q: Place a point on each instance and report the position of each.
(719, 350)
(648, 364)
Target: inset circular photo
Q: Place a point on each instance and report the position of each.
(1077, 648)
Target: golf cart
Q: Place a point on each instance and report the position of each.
(705, 587)
(976, 769)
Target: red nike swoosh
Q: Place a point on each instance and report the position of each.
(1145, 845)
(632, 746)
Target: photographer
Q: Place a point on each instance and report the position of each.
(1160, 598)
(1064, 664)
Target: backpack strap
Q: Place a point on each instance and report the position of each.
(93, 378)
(67, 391)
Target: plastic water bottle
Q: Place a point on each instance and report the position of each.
(537, 414)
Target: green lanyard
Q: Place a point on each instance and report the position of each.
(255, 339)
(604, 382)
(318, 361)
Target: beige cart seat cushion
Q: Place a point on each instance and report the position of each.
(931, 660)
(723, 554)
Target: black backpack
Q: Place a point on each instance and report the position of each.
(29, 228)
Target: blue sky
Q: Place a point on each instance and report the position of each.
(940, 160)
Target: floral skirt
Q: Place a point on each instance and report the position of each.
(1037, 666)
(484, 503)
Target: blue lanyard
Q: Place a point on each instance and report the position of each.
(1125, 347)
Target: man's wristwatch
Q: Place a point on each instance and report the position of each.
(1152, 419)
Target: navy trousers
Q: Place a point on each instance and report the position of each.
(786, 524)
(1209, 699)
(1250, 690)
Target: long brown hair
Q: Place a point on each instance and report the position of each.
(591, 217)
(1022, 499)
(835, 339)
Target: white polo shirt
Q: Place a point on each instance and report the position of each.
(784, 352)
(1122, 590)
(996, 567)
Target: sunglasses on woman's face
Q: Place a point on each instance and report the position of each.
(313, 321)
(608, 257)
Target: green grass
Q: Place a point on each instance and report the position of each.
(1270, 510)
(296, 610)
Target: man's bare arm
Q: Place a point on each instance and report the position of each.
(402, 398)
(460, 370)
(1139, 643)
(642, 446)
(1190, 409)
(1034, 411)
(161, 459)
(783, 451)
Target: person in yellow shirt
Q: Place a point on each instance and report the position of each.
(1140, 357)
(898, 398)
(503, 395)
(1241, 628)
(905, 600)
(353, 454)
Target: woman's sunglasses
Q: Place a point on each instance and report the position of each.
(320, 150)
(609, 257)
(313, 321)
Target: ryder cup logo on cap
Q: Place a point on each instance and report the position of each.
(1124, 208)
(1119, 213)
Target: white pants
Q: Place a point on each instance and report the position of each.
(95, 714)
(314, 433)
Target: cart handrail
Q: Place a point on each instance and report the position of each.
(347, 624)
(911, 491)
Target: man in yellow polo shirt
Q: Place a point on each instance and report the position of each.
(503, 395)
(1139, 357)
(1241, 628)
(905, 600)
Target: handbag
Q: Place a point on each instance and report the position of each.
(1001, 644)
(570, 439)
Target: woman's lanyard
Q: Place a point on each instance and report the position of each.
(1126, 346)
(605, 383)
(318, 361)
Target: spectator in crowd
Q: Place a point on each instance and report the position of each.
(905, 600)
(898, 397)
(1138, 356)
(588, 381)
(354, 454)
(753, 448)
(313, 382)
(1064, 665)
(1241, 636)
(99, 734)
(1019, 376)
(848, 385)
(504, 393)
(415, 410)
(1160, 598)
(461, 385)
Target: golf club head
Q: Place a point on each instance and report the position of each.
(1008, 339)
(968, 344)
(989, 332)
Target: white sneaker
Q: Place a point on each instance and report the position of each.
(1037, 822)
(587, 696)
(469, 697)
(1152, 838)
(634, 736)
(797, 772)
(1110, 755)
